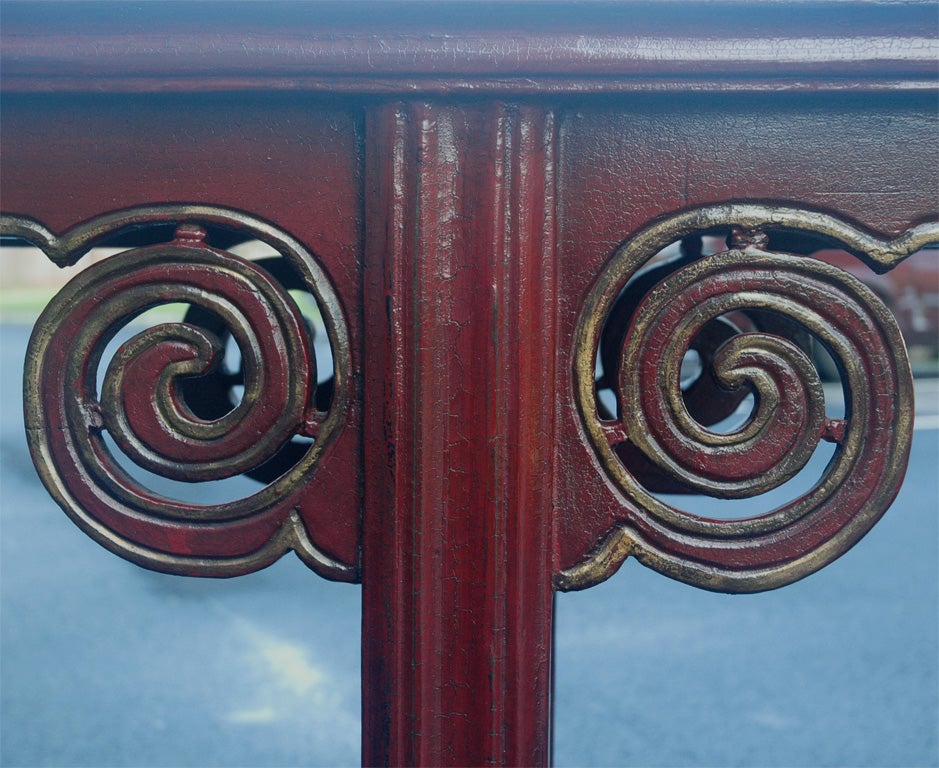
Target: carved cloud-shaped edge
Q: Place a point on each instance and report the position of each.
(67, 249)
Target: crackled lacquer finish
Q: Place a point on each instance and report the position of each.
(661, 431)
(142, 405)
(469, 195)
(463, 291)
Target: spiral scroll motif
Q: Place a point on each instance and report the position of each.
(142, 406)
(788, 419)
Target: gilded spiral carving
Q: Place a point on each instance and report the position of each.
(781, 435)
(657, 434)
(140, 405)
(78, 402)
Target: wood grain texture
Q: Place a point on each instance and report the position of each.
(466, 46)
(460, 429)
(466, 174)
(629, 162)
(68, 162)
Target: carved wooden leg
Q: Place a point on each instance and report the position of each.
(469, 199)
(460, 430)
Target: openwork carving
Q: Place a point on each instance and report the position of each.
(166, 401)
(749, 312)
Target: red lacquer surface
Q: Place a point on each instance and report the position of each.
(458, 532)
(466, 182)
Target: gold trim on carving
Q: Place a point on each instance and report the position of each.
(67, 249)
(623, 540)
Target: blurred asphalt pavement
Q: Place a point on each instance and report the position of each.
(106, 664)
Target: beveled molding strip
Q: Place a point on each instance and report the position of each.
(520, 47)
(141, 408)
(872, 441)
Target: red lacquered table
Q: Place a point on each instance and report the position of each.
(470, 202)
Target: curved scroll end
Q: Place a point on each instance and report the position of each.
(889, 254)
(318, 561)
(62, 252)
(654, 431)
(603, 562)
(120, 413)
(622, 542)
(291, 535)
(880, 253)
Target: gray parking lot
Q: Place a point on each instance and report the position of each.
(105, 664)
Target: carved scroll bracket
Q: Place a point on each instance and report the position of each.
(659, 428)
(164, 402)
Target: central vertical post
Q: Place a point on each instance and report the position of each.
(460, 418)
